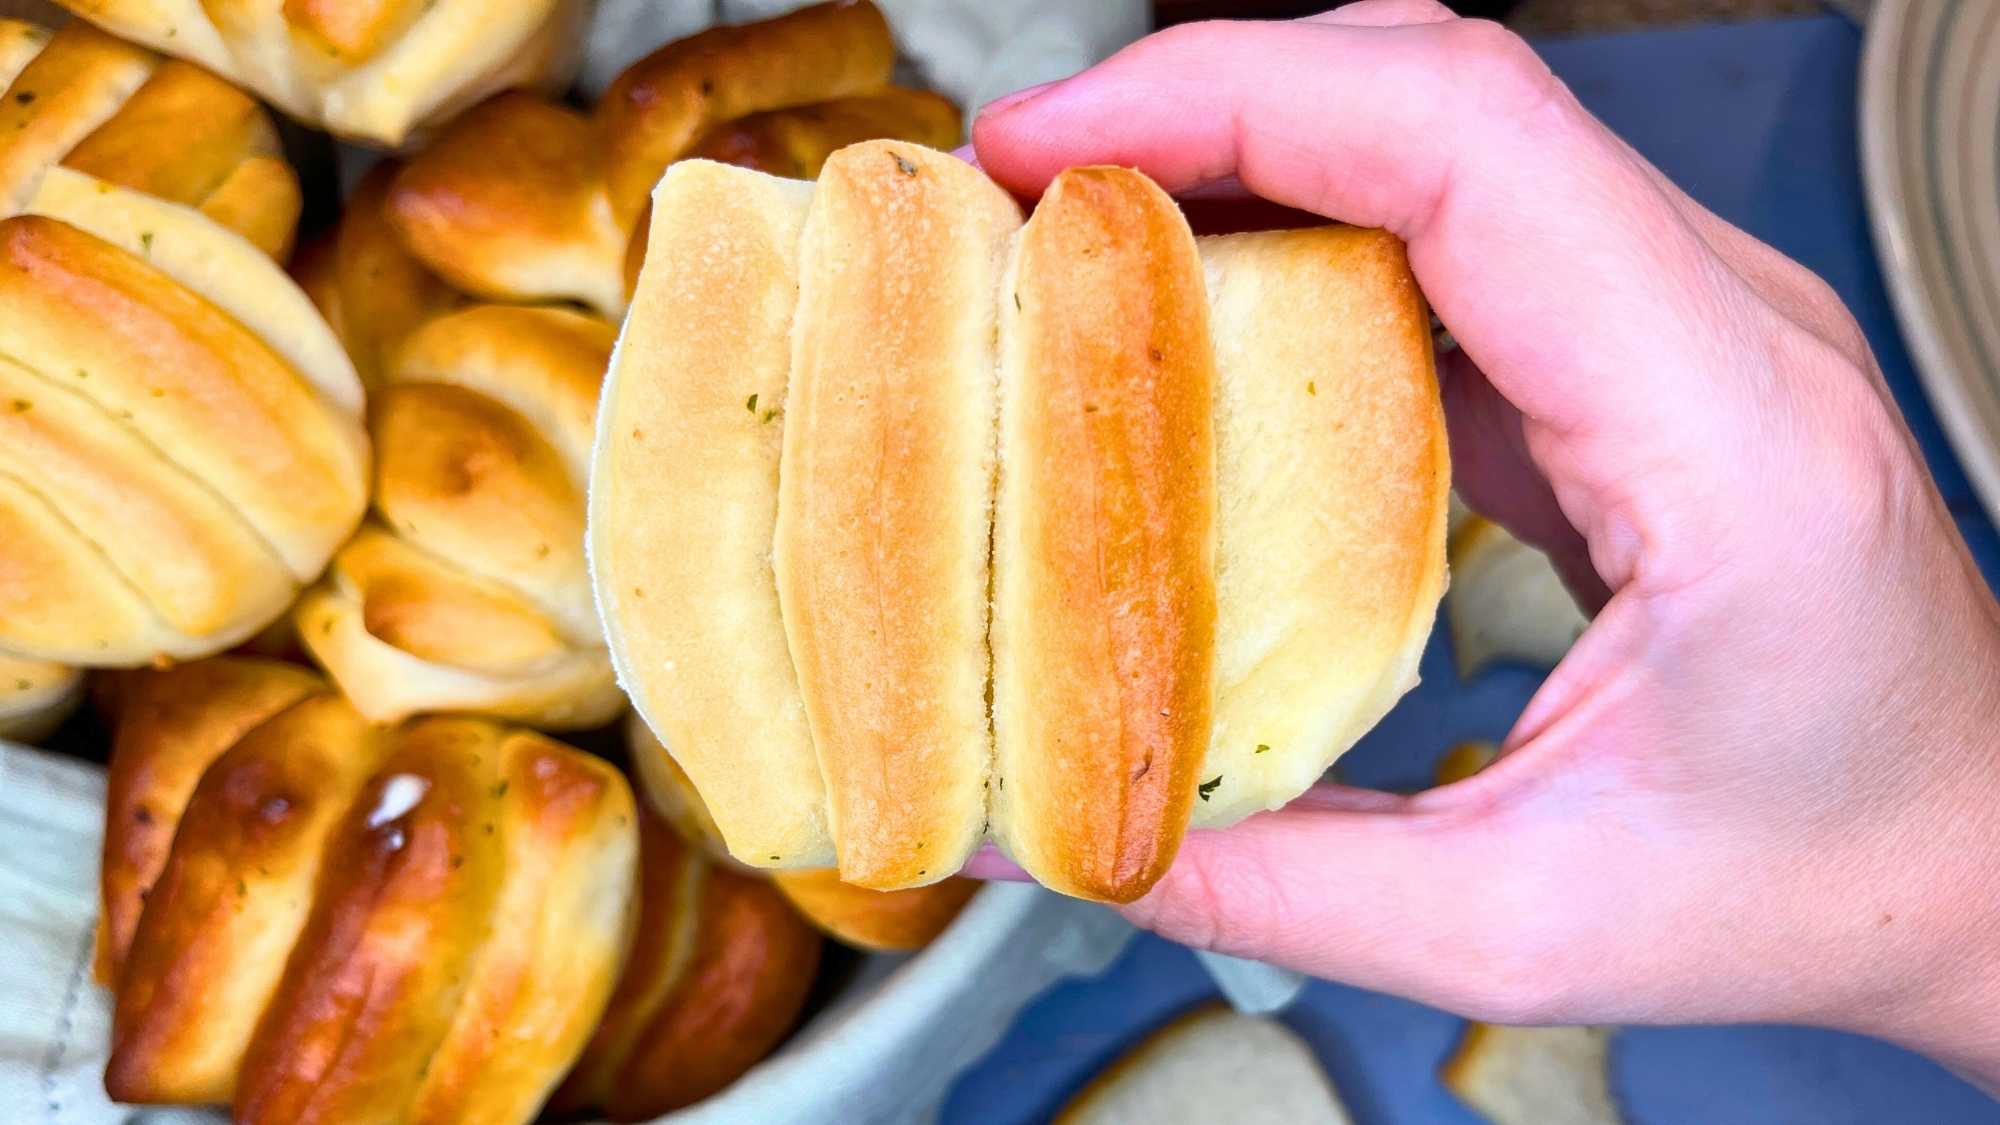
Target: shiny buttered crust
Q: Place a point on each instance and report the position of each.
(370, 72)
(181, 441)
(717, 983)
(1212, 474)
(313, 918)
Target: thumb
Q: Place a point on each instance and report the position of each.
(1410, 895)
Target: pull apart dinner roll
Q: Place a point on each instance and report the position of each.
(466, 590)
(913, 524)
(524, 199)
(181, 439)
(368, 70)
(317, 919)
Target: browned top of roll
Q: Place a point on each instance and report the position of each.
(657, 108)
(1104, 620)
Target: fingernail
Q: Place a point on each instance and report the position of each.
(1009, 101)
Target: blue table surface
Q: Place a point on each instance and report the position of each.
(1757, 121)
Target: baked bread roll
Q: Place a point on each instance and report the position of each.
(1217, 540)
(718, 981)
(370, 72)
(1211, 1065)
(467, 590)
(181, 444)
(316, 919)
(526, 200)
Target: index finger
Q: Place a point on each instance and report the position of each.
(1552, 252)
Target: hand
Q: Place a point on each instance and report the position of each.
(1765, 785)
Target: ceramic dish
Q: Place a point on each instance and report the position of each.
(1930, 145)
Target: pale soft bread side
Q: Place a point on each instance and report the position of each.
(885, 501)
(683, 498)
(1334, 475)
(1507, 602)
(669, 791)
(1207, 1066)
(1104, 547)
(1534, 1075)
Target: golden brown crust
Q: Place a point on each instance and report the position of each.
(796, 142)
(525, 200)
(354, 923)
(740, 993)
(884, 502)
(718, 980)
(184, 136)
(370, 288)
(210, 947)
(510, 204)
(562, 927)
(1104, 627)
(184, 443)
(471, 593)
(656, 110)
(171, 367)
(884, 921)
(170, 726)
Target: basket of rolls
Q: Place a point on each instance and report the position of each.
(293, 542)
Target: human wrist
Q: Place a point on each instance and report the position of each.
(1936, 980)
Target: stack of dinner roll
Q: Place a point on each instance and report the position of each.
(313, 918)
(181, 439)
(1066, 533)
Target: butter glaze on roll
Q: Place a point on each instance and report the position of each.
(313, 918)
(1104, 538)
(884, 501)
(1216, 550)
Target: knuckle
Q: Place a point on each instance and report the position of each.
(1499, 67)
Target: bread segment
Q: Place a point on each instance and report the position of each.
(684, 495)
(1333, 469)
(1104, 545)
(885, 498)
